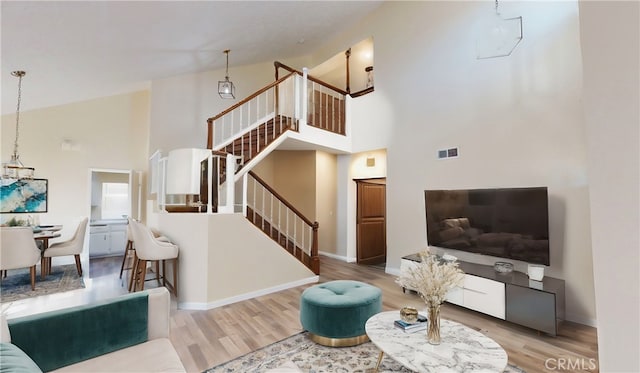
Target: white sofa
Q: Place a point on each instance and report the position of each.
(155, 353)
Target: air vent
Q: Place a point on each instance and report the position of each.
(448, 153)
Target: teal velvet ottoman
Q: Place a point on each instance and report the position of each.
(335, 312)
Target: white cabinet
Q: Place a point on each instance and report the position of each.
(456, 296)
(484, 295)
(118, 239)
(476, 293)
(99, 241)
(511, 296)
(405, 265)
(480, 294)
(107, 240)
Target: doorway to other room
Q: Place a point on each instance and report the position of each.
(112, 203)
(371, 222)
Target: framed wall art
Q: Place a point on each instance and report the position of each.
(23, 195)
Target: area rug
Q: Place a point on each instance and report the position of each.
(17, 284)
(313, 358)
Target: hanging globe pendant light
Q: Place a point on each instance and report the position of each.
(226, 89)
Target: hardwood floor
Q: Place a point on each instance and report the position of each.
(206, 338)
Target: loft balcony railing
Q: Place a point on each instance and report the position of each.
(325, 103)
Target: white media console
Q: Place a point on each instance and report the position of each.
(508, 296)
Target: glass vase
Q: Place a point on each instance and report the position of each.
(433, 329)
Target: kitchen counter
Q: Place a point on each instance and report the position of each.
(102, 222)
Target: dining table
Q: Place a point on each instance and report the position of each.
(44, 233)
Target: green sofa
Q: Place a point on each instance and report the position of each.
(129, 333)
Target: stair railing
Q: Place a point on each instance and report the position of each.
(294, 100)
(220, 198)
(277, 217)
(276, 99)
(325, 103)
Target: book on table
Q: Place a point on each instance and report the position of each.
(420, 324)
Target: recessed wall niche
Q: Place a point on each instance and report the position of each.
(360, 67)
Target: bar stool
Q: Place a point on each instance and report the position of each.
(129, 250)
(148, 248)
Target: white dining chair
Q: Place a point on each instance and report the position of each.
(72, 246)
(18, 250)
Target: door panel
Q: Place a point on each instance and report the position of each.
(371, 224)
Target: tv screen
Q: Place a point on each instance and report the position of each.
(510, 223)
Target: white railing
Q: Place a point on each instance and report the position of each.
(277, 99)
(277, 217)
(224, 201)
(220, 198)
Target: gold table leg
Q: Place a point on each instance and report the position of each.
(379, 360)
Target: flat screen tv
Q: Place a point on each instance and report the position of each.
(510, 223)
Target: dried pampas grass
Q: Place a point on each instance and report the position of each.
(432, 278)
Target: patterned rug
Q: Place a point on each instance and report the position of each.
(314, 358)
(17, 285)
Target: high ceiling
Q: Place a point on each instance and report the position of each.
(78, 50)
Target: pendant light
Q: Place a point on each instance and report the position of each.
(498, 36)
(226, 89)
(14, 169)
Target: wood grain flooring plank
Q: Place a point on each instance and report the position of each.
(221, 334)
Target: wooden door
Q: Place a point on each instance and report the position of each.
(371, 222)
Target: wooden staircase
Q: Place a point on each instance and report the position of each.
(272, 231)
(248, 128)
(252, 143)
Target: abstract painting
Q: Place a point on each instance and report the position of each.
(23, 195)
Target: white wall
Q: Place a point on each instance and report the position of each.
(372, 121)
(106, 133)
(610, 49)
(326, 205)
(518, 121)
(334, 69)
(215, 268)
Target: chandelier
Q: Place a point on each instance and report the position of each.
(226, 89)
(14, 169)
(498, 36)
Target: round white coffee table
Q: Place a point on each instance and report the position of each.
(462, 349)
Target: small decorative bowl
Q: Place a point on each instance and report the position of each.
(503, 267)
(409, 314)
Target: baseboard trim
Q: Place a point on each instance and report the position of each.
(339, 257)
(582, 320)
(392, 271)
(250, 295)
